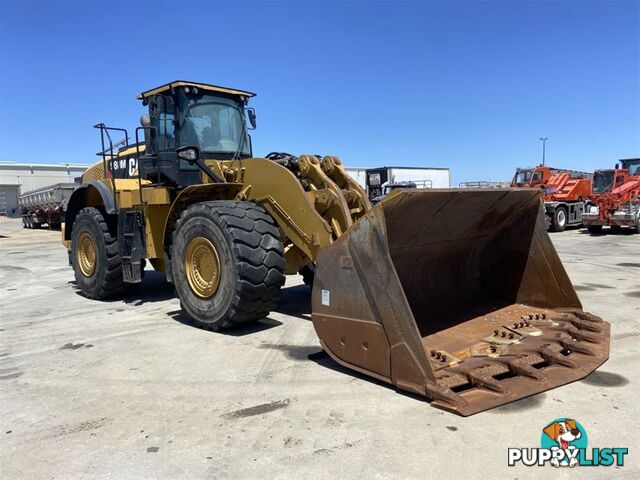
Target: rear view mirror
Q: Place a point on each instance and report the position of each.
(251, 113)
(145, 120)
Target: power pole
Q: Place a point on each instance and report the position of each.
(544, 144)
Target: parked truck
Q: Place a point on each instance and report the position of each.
(531, 177)
(387, 188)
(566, 193)
(388, 178)
(616, 198)
(45, 205)
(566, 198)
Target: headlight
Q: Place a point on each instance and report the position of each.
(190, 154)
(594, 209)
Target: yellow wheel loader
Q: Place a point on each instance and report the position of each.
(456, 295)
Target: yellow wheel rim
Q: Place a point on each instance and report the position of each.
(202, 266)
(86, 254)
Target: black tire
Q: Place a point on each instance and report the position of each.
(24, 222)
(308, 272)
(616, 228)
(594, 229)
(251, 262)
(559, 220)
(106, 279)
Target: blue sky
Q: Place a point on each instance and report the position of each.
(469, 85)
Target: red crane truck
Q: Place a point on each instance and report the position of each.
(616, 198)
(566, 193)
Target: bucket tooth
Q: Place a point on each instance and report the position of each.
(582, 315)
(584, 336)
(442, 394)
(555, 357)
(577, 347)
(585, 319)
(586, 325)
(520, 368)
(477, 379)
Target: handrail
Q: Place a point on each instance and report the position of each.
(105, 130)
(150, 127)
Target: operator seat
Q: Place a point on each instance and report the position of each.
(188, 134)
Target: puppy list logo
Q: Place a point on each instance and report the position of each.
(564, 444)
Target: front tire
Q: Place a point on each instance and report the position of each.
(227, 263)
(559, 220)
(94, 255)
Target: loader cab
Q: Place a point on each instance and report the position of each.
(633, 165)
(603, 180)
(189, 123)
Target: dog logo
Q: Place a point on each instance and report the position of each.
(564, 433)
(563, 443)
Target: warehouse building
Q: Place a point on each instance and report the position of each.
(18, 178)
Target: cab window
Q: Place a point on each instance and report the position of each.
(537, 177)
(163, 120)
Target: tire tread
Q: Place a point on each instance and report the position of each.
(259, 257)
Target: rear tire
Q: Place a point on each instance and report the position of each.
(95, 256)
(593, 229)
(559, 220)
(227, 263)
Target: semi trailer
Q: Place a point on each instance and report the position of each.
(45, 205)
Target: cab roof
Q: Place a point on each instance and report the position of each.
(202, 86)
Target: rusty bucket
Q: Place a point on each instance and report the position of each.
(458, 296)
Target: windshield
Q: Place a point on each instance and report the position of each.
(602, 181)
(214, 124)
(633, 166)
(537, 177)
(522, 177)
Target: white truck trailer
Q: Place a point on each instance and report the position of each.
(380, 180)
(45, 205)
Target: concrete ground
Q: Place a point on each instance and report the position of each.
(125, 389)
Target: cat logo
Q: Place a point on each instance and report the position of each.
(123, 167)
